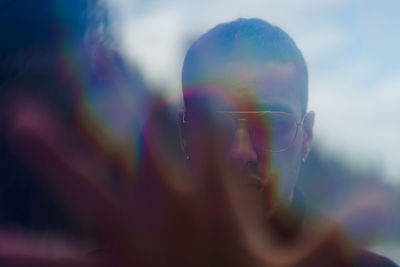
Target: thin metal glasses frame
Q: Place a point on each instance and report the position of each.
(298, 123)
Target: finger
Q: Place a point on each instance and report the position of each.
(221, 199)
(162, 162)
(45, 146)
(22, 249)
(321, 243)
(367, 209)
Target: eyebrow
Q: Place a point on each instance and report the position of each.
(267, 109)
(263, 106)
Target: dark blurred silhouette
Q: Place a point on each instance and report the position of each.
(57, 59)
(37, 39)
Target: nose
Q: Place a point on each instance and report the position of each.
(242, 151)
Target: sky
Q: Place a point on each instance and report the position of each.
(351, 48)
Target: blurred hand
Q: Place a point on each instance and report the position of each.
(158, 215)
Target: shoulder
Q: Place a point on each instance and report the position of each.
(370, 259)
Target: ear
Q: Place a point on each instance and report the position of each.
(308, 125)
(183, 132)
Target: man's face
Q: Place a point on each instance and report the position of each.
(253, 105)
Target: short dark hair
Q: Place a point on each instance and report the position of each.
(258, 40)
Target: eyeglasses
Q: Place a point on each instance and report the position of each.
(274, 130)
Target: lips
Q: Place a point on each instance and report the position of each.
(258, 193)
(251, 180)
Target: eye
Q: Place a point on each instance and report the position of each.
(273, 130)
(226, 122)
(282, 123)
(283, 128)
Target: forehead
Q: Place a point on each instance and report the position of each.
(241, 85)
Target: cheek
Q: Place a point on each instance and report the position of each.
(287, 163)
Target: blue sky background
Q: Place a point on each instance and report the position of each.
(351, 47)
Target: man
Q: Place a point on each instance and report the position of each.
(256, 81)
(247, 82)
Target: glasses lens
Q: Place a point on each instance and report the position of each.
(283, 129)
(273, 130)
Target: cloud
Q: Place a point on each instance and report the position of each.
(154, 43)
(359, 124)
(353, 89)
